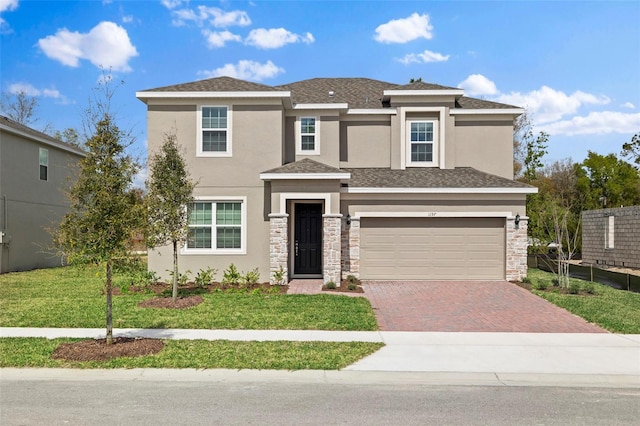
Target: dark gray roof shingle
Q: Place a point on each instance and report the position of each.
(305, 165)
(357, 92)
(423, 177)
(464, 102)
(421, 85)
(6, 121)
(217, 84)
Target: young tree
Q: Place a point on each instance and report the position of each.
(68, 135)
(104, 210)
(20, 107)
(170, 190)
(608, 181)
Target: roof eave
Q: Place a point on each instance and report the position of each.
(440, 190)
(321, 106)
(45, 141)
(226, 94)
(487, 111)
(305, 176)
(434, 92)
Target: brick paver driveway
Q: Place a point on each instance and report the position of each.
(492, 306)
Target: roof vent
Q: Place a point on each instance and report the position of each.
(331, 93)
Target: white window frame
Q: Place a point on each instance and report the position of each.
(299, 134)
(41, 163)
(199, 140)
(243, 227)
(434, 143)
(609, 232)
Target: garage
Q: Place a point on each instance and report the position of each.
(432, 248)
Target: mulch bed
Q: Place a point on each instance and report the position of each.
(344, 288)
(552, 289)
(98, 350)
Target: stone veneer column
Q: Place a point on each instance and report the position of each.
(279, 245)
(331, 243)
(516, 249)
(351, 249)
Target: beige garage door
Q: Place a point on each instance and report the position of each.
(432, 248)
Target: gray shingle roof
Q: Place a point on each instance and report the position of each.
(6, 121)
(217, 84)
(305, 165)
(357, 92)
(460, 177)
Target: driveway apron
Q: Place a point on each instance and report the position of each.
(468, 306)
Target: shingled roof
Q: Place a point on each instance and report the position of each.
(427, 177)
(43, 137)
(305, 166)
(357, 93)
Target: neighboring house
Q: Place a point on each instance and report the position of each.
(34, 171)
(611, 237)
(335, 176)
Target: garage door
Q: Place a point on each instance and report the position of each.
(432, 248)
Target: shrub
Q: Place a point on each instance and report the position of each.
(589, 287)
(205, 276)
(541, 285)
(526, 280)
(574, 288)
(352, 286)
(278, 276)
(183, 277)
(331, 285)
(555, 282)
(251, 277)
(351, 279)
(231, 275)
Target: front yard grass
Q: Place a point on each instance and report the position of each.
(615, 310)
(72, 297)
(280, 355)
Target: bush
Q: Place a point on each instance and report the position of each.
(589, 287)
(231, 275)
(278, 276)
(555, 282)
(574, 288)
(183, 277)
(205, 276)
(351, 279)
(526, 280)
(251, 277)
(541, 285)
(331, 285)
(352, 286)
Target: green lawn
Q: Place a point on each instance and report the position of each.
(36, 352)
(72, 297)
(615, 310)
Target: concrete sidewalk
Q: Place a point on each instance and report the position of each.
(570, 359)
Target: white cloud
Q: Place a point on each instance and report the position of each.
(274, 38)
(106, 45)
(424, 57)
(405, 30)
(171, 4)
(595, 123)
(547, 104)
(8, 5)
(31, 90)
(217, 39)
(245, 70)
(478, 84)
(127, 19)
(216, 17)
(628, 105)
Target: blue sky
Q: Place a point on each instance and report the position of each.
(574, 65)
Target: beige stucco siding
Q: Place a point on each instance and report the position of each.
(282, 190)
(485, 145)
(365, 144)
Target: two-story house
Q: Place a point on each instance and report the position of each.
(34, 173)
(335, 176)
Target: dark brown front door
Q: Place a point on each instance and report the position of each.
(308, 239)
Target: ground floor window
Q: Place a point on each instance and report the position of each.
(216, 226)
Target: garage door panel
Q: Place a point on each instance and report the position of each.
(432, 248)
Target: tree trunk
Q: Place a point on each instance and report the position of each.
(175, 270)
(109, 307)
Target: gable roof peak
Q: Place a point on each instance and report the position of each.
(216, 84)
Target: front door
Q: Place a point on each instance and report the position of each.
(308, 239)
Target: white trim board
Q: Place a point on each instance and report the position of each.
(367, 190)
(294, 196)
(360, 215)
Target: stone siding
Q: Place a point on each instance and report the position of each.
(278, 245)
(626, 238)
(332, 244)
(516, 268)
(351, 249)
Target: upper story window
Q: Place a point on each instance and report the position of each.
(44, 164)
(308, 138)
(422, 143)
(214, 131)
(216, 227)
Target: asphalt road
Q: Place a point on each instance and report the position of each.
(105, 398)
